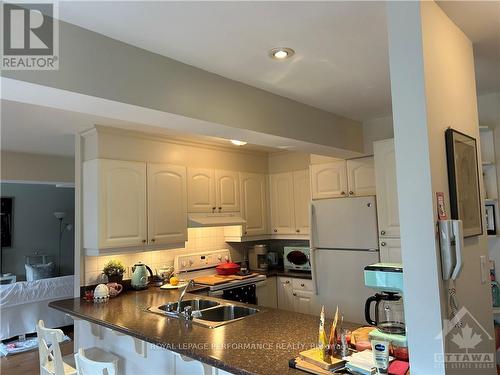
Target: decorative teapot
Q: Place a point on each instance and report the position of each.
(140, 276)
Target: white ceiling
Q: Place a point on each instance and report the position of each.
(480, 21)
(340, 65)
(341, 62)
(43, 130)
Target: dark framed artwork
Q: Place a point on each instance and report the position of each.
(491, 225)
(463, 181)
(6, 221)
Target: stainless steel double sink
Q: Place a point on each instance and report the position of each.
(206, 312)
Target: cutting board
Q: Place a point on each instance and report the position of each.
(210, 280)
(236, 277)
(314, 357)
(300, 364)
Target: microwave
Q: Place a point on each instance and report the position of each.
(296, 258)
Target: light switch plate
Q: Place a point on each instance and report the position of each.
(485, 272)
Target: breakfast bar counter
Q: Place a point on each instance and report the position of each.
(258, 344)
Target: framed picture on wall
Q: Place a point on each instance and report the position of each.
(491, 225)
(463, 180)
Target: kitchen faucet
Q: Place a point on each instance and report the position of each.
(190, 283)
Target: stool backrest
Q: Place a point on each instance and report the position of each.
(51, 361)
(85, 366)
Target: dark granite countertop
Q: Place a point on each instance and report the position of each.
(281, 272)
(259, 344)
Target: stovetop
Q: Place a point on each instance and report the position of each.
(190, 266)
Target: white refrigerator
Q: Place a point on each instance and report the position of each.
(343, 240)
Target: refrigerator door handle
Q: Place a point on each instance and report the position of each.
(312, 251)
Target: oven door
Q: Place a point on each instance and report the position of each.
(243, 293)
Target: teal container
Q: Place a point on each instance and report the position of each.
(387, 277)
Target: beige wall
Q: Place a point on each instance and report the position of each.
(288, 161)
(433, 87)
(96, 65)
(376, 129)
(19, 166)
(124, 145)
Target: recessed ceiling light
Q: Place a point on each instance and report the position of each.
(238, 143)
(281, 53)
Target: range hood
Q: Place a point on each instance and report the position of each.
(215, 220)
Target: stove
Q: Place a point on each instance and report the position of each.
(204, 263)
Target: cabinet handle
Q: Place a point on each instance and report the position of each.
(383, 244)
(213, 209)
(342, 193)
(382, 232)
(143, 241)
(302, 285)
(152, 240)
(275, 231)
(351, 193)
(297, 230)
(295, 294)
(287, 282)
(245, 232)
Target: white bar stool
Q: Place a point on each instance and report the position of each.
(53, 363)
(102, 364)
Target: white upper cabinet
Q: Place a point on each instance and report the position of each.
(282, 203)
(167, 204)
(213, 190)
(343, 178)
(114, 204)
(361, 176)
(290, 202)
(132, 205)
(254, 203)
(201, 190)
(227, 191)
(390, 250)
(302, 200)
(329, 180)
(387, 194)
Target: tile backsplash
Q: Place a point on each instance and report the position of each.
(199, 239)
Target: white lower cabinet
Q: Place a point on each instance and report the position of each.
(390, 250)
(295, 294)
(266, 293)
(285, 293)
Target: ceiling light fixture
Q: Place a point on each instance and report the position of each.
(281, 53)
(238, 143)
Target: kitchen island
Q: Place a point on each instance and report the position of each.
(150, 343)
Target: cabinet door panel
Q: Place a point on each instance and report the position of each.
(201, 190)
(387, 193)
(254, 203)
(285, 294)
(122, 208)
(282, 203)
(167, 207)
(227, 191)
(361, 176)
(266, 293)
(390, 250)
(302, 200)
(303, 302)
(329, 180)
